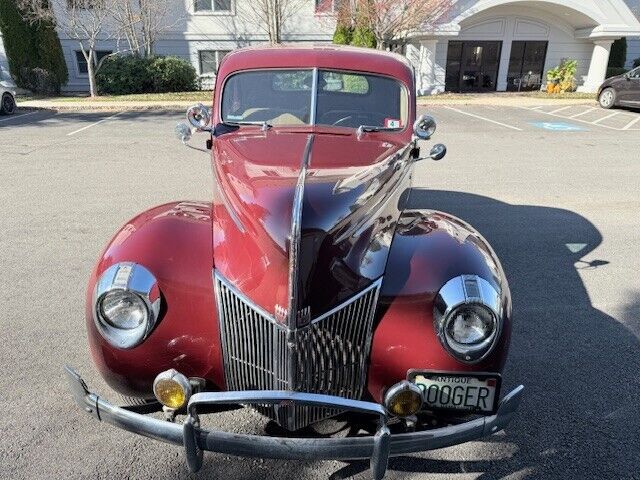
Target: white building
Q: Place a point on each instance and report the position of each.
(480, 45)
(510, 44)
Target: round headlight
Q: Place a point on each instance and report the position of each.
(467, 317)
(470, 325)
(124, 310)
(126, 304)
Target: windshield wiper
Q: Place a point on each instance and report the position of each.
(265, 125)
(371, 128)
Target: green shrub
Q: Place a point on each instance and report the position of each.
(33, 51)
(51, 55)
(636, 63)
(363, 37)
(173, 74)
(615, 71)
(40, 81)
(126, 74)
(618, 55)
(343, 35)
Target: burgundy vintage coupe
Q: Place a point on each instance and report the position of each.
(305, 289)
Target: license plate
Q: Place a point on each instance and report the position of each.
(463, 392)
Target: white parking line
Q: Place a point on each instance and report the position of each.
(561, 109)
(462, 112)
(93, 124)
(13, 117)
(595, 122)
(632, 123)
(575, 119)
(589, 110)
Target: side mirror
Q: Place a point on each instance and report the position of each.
(424, 127)
(199, 117)
(438, 152)
(183, 132)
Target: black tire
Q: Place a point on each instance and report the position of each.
(7, 104)
(607, 98)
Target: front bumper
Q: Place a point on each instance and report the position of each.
(378, 448)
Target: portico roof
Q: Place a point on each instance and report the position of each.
(590, 18)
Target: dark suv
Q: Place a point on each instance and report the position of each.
(623, 90)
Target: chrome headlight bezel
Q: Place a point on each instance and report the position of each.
(141, 284)
(474, 292)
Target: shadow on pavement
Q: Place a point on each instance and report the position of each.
(579, 419)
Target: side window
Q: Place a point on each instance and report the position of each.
(212, 5)
(81, 62)
(210, 61)
(330, 6)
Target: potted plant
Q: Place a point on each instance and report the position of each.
(553, 78)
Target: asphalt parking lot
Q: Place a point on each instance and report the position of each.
(554, 191)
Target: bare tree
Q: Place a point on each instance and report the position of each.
(85, 21)
(141, 22)
(392, 21)
(271, 16)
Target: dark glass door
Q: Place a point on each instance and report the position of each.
(526, 66)
(473, 66)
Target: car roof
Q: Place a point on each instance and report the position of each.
(319, 56)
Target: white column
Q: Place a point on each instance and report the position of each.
(598, 66)
(423, 58)
(505, 55)
(503, 70)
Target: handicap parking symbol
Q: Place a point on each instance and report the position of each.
(558, 126)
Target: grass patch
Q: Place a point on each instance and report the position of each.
(204, 96)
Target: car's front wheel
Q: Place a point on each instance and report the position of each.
(8, 104)
(607, 98)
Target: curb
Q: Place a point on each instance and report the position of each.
(105, 108)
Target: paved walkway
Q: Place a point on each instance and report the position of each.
(508, 100)
(83, 104)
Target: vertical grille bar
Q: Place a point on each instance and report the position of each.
(331, 352)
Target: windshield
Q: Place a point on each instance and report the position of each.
(342, 99)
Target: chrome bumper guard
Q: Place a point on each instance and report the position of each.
(378, 448)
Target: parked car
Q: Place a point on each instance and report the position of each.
(7, 99)
(621, 90)
(306, 288)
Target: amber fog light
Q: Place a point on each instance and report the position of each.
(403, 399)
(172, 389)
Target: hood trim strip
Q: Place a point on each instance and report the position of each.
(295, 237)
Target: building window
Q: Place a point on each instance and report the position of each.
(212, 5)
(84, 4)
(330, 6)
(210, 61)
(81, 62)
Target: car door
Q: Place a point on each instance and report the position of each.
(629, 91)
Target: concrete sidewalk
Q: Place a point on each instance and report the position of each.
(496, 99)
(88, 105)
(503, 100)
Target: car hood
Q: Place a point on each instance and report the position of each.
(304, 219)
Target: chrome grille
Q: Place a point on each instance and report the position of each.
(329, 355)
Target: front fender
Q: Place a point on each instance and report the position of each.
(429, 248)
(173, 241)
